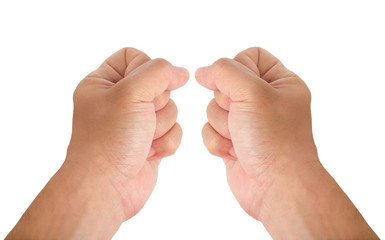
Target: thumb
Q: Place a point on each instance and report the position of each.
(233, 79)
(151, 79)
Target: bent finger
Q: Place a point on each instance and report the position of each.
(218, 119)
(161, 100)
(151, 79)
(222, 100)
(167, 144)
(216, 144)
(233, 79)
(165, 119)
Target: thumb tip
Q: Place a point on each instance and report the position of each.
(183, 72)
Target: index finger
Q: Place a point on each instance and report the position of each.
(151, 79)
(233, 79)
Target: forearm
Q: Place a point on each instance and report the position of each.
(75, 203)
(307, 203)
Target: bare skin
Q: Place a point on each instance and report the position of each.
(124, 123)
(260, 124)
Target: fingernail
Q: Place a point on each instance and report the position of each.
(200, 71)
(232, 152)
(184, 72)
(151, 153)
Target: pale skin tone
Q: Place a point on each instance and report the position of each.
(121, 111)
(259, 123)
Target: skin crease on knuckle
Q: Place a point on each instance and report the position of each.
(223, 64)
(215, 143)
(171, 141)
(171, 146)
(209, 139)
(222, 100)
(161, 100)
(218, 118)
(165, 119)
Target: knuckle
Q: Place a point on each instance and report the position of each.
(210, 107)
(250, 59)
(178, 128)
(209, 141)
(162, 100)
(79, 90)
(223, 63)
(131, 54)
(304, 89)
(172, 104)
(307, 92)
(253, 50)
(175, 108)
(249, 52)
(309, 95)
(160, 63)
(204, 131)
(171, 146)
(132, 51)
(165, 95)
(222, 100)
(212, 147)
(76, 94)
(170, 111)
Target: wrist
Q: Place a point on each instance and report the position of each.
(90, 205)
(93, 182)
(77, 201)
(287, 180)
(116, 179)
(304, 200)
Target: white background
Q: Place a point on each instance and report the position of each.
(47, 47)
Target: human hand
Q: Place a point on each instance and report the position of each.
(260, 124)
(125, 122)
(260, 117)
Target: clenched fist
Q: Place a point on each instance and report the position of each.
(260, 123)
(124, 118)
(123, 124)
(258, 120)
